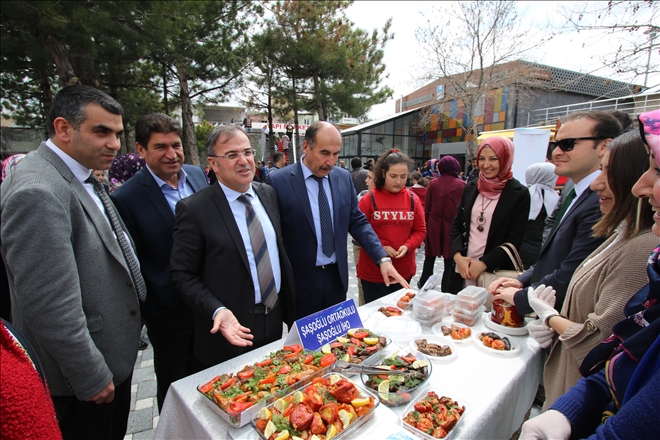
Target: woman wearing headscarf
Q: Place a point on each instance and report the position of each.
(540, 178)
(123, 168)
(619, 395)
(603, 283)
(9, 163)
(493, 210)
(442, 197)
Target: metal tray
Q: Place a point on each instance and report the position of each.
(346, 433)
(411, 407)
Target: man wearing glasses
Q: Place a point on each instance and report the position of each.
(581, 143)
(228, 261)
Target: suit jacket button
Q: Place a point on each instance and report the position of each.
(133, 312)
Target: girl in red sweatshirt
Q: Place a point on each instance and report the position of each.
(397, 216)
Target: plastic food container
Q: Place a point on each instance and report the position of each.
(432, 298)
(427, 311)
(411, 407)
(399, 328)
(473, 293)
(349, 432)
(428, 321)
(468, 317)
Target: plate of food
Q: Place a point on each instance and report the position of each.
(496, 344)
(385, 311)
(513, 331)
(331, 406)
(404, 373)
(238, 395)
(435, 347)
(434, 415)
(356, 346)
(459, 333)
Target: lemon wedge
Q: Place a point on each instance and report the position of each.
(343, 340)
(264, 413)
(270, 429)
(370, 341)
(419, 364)
(282, 435)
(352, 331)
(326, 349)
(360, 402)
(346, 358)
(298, 396)
(345, 417)
(397, 378)
(384, 387)
(393, 355)
(334, 379)
(332, 431)
(280, 405)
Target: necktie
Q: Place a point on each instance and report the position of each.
(564, 207)
(125, 246)
(261, 256)
(327, 235)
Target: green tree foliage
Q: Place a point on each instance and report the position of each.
(202, 131)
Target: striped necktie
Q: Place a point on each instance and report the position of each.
(327, 235)
(131, 262)
(261, 256)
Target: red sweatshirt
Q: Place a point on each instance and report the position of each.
(396, 225)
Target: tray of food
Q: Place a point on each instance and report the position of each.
(404, 301)
(434, 416)
(496, 344)
(356, 346)
(459, 333)
(331, 406)
(236, 397)
(435, 347)
(408, 371)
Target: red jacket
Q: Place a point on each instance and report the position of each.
(395, 225)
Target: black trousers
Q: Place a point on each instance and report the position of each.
(172, 341)
(324, 291)
(374, 291)
(87, 420)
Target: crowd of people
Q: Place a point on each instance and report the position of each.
(215, 267)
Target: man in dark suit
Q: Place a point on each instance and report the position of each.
(321, 266)
(146, 202)
(228, 260)
(581, 142)
(74, 281)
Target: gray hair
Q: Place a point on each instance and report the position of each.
(222, 133)
(70, 102)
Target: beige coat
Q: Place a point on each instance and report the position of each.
(597, 294)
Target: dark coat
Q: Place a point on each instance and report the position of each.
(507, 226)
(442, 198)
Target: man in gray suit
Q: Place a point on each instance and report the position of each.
(73, 278)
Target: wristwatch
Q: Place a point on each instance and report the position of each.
(384, 260)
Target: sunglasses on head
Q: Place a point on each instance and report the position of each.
(569, 143)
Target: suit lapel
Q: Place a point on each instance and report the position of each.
(222, 205)
(299, 188)
(470, 198)
(336, 201)
(503, 207)
(576, 206)
(192, 178)
(157, 197)
(269, 205)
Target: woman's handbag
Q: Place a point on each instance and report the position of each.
(486, 278)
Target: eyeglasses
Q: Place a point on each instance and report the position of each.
(233, 155)
(569, 143)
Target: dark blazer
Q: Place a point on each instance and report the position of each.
(150, 221)
(298, 230)
(210, 269)
(564, 250)
(507, 226)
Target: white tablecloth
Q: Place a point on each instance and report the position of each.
(498, 390)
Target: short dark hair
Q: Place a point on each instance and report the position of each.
(416, 175)
(389, 158)
(154, 123)
(607, 126)
(277, 156)
(70, 102)
(624, 119)
(628, 161)
(221, 133)
(310, 133)
(356, 162)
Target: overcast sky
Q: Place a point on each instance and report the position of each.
(579, 52)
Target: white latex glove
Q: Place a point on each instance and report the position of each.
(551, 425)
(541, 334)
(542, 300)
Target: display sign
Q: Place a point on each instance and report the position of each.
(319, 328)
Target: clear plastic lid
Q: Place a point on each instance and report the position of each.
(429, 299)
(474, 293)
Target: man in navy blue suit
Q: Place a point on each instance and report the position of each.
(146, 203)
(581, 143)
(304, 191)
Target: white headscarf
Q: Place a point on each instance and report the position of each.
(539, 177)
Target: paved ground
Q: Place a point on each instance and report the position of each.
(144, 409)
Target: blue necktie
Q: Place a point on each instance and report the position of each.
(261, 256)
(327, 235)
